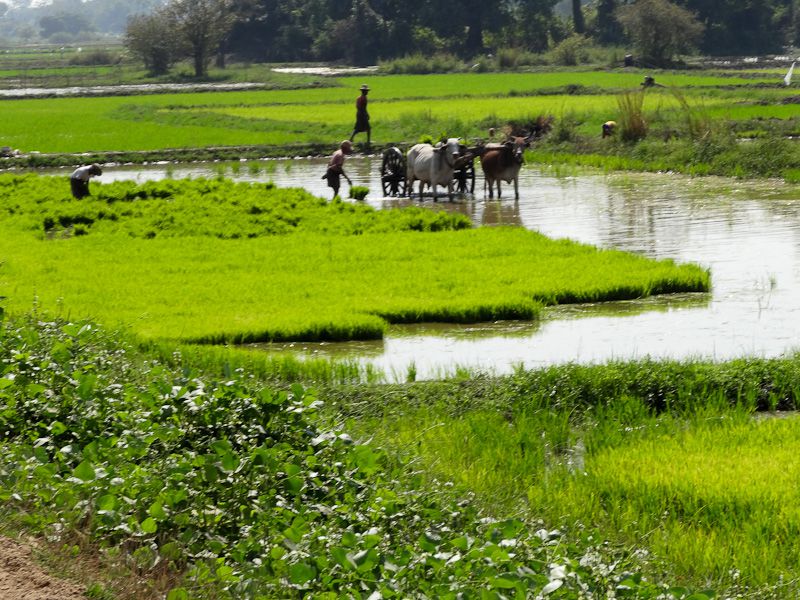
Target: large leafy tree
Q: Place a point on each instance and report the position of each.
(464, 23)
(72, 23)
(149, 37)
(201, 25)
(660, 30)
(281, 30)
(607, 29)
(529, 24)
(360, 38)
(360, 31)
(578, 21)
(743, 26)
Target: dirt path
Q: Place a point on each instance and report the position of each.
(21, 578)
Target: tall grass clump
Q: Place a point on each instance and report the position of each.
(565, 127)
(697, 122)
(631, 124)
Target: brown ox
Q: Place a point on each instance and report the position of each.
(501, 162)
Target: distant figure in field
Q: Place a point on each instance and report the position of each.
(79, 180)
(650, 82)
(608, 128)
(362, 116)
(336, 167)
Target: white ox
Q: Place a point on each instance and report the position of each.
(433, 165)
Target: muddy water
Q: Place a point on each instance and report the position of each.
(748, 234)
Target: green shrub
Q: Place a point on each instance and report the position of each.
(570, 51)
(95, 58)
(421, 64)
(770, 156)
(512, 58)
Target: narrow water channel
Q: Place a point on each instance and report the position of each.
(747, 233)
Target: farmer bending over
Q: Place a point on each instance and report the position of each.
(79, 180)
(336, 167)
(608, 128)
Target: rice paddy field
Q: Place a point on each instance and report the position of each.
(210, 473)
(403, 108)
(212, 261)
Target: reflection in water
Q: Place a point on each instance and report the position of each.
(362, 349)
(622, 308)
(746, 233)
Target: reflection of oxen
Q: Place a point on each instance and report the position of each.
(433, 165)
(501, 162)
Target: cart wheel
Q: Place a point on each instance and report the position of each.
(464, 179)
(393, 172)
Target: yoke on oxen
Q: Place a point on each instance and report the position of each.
(398, 176)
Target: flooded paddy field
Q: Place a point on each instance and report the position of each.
(746, 233)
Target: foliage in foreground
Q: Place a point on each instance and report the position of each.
(247, 492)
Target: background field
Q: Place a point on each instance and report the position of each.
(403, 108)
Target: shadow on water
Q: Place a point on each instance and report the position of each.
(746, 233)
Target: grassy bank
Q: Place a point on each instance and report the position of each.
(661, 456)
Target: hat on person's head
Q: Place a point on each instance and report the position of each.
(364, 88)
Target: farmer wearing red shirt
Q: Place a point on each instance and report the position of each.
(336, 167)
(362, 116)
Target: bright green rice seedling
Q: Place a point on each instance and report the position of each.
(358, 192)
(212, 261)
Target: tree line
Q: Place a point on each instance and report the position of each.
(361, 32)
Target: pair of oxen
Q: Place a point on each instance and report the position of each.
(435, 165)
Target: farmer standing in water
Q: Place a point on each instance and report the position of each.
(336, 167)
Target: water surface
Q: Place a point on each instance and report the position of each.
(746, 233)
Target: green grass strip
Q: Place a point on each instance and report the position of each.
(661, 455)
(458, 102)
